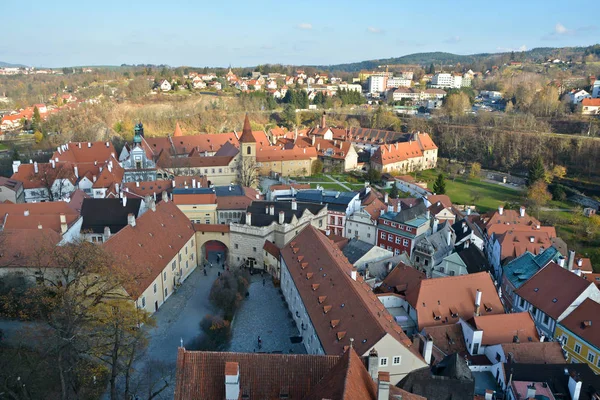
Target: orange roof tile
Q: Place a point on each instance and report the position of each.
(502, 328)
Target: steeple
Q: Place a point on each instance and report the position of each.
(138, 133)
(177, 131)
(247, 136)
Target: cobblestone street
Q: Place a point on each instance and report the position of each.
(264, 314)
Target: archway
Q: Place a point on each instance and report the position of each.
(215, 252)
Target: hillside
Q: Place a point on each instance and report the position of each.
(9, 65)
(438, 57)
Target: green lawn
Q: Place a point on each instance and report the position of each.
(3, 147)
(484, 195)
(328, 186)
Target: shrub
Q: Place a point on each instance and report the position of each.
(229, 290)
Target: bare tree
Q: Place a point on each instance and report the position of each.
(53, 178)
(247, 172)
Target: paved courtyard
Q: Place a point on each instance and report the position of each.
(264, 314)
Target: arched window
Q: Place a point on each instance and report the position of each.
(248, 150)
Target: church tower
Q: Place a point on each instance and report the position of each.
(247, 142)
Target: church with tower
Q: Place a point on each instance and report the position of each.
(137, 158)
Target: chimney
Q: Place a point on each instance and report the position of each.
(436, 224)
(165, 196)
(173, 183)
(313, 140)
(230, 188)
(137, 184)
(109, 167)
(267, 209)
(93, 178)
(489, 394)
(117, 187)
(427, 348)
(464, 226)
(40, 226)
(281, 217)
(294, 205)
(26, 213)
(327, 232)
(390, 266)
(449, 237)
(232, 381)
(500, 210)
(571, 260)
(531, 239)
(469, 211)
(383, 385)
(522, 211)
(353, 274)
(574, 386)
(398, 207)
(386, 197)
(272, 210)
(59, 150)
(76, 171)
(580, 262)
(428, 215)
(530, 391)
(89, 145)
(194, 183)
(248, 218)
(477, 302)
(467, 243)
(390, 208)
(106, 233)
(323, 121)
(373, 364)
(561, 262)
(15, 166)
(152, 204)
(107, 144)
(63, 223)
(131, 219)
(35, 167)
(79, 144)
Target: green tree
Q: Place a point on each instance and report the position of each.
(475, 170)
(456, 104)
(439, 186)
(536, 170)
(289, 116)
(317, 167)
(36, 120)
(373, 175)
(538, 195)
(394, 191)
(431, 69)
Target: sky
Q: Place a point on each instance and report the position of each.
(246, 33)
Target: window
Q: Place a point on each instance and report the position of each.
(546, 320)
(397, 240)
(155, 288)
(166, 292)
(143, 301)
(418, 259)
(521, 302)
(383, 235)
(368, 235)
(254, 249)
(393, 224)
(248, 150)
(390, 238)
(534, 311)
(397, 252)
(577, 348)
(389, 248)
(349, 231)
(236, 245)
(382, 246)
(320, 223)
(591, 357)
(405, 242)
(426, 262)
(475, 348)
(451, 273)
(383, 361)
(173, 265)
(165, 275)
(397, 360)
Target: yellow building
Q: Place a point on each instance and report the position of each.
(199, 205)
(579, 333)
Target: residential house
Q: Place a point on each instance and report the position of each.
(105, 217)
(155, 188)
(551, 295)
(443, 213)
(466, 231)
(399, 230)
(285, 192)
(293, 376)
(526, 352)
(277, 222)
(371, 261)
(272, 258)
(362, 224)
(340, 205)
(11, 190)
(402, 279)
(590, 106)
(138, 160)
(331, 304)
(417, 154)
(199, 205)
(577, 96)
(518, 271)
(467, 260)
(232, 202)
(336, 155)
(44, 181)
(579, 333)
(165, 85)
(429, 251)
(158, 250)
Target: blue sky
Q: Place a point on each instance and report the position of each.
(245, 33)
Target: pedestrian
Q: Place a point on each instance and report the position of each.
(204, 271)
(263, 281)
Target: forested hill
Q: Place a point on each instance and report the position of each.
(9, 65)
(425, 59)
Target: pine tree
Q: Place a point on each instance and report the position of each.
(439, 186)
(536, 170)
(394, 192)
(431, 69)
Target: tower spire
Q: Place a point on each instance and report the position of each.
(247, 136)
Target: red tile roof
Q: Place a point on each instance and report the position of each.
(147, 247)
(312, 259)
(233, 202)
(276, 153)
(247, 136)
(584, 322)
(401, 279)
(201, 375)
(553, 289)
(33, 180)
(535, 352)
(502, 328)
(28, 247)
(436, 300)
(591, 102)
(271, 248)
(515, 242)
(188, 199)
(46, 214)
(85, 152)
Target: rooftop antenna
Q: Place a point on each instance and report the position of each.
(351, 342)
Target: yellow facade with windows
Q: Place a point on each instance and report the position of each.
(578, 350)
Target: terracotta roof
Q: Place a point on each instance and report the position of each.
(204, 142)
(436, 300)
(360, 314)
(76, 200)
(211, 228)
(553, 289)
(247, 136)
(584, 322)
(591, 102)
(27, 247)
(166, 161)
(177, 132)
(393, 153)
(32, 180)
(147, 247)
(12, 184)
(502, 328)
(337, 149)
(233, 202)
(516, 242)
(593, 278)
(184, 198)
(201, 375)
(46, 214)
(534, 352)
(276, 153)
(85, 152)
(109, 176)
(447, 339)
(272, 249)
(401, 279)
(494, 222)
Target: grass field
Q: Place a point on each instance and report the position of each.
(484, 195)
(328, 186)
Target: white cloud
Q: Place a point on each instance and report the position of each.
(509, 49)
(453, 39)
(372, 29)
(560, 29)
(305, 25)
